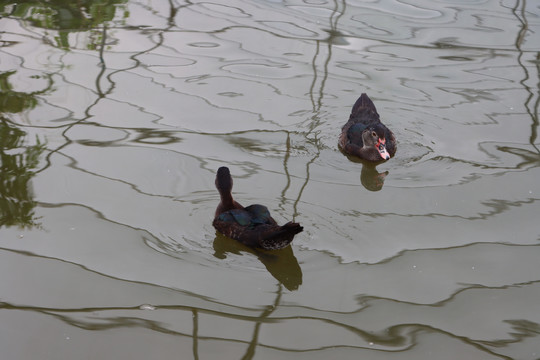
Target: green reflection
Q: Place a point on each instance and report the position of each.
(63, 15)
(16, 160)
(12, 101)
(16, 165)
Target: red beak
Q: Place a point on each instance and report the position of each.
(381, 146)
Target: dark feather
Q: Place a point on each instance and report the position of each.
(364, 117)
(364, 104)
(251, 225)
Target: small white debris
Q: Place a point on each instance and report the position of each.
(147, 307)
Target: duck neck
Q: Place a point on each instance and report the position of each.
(224, 184)
(226, 198)
(371, 153)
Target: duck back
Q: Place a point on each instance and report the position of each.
(364, 116)
(252, 225)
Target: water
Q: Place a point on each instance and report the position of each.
(115, 117)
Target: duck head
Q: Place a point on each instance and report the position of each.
(373, 137)
(224, 182)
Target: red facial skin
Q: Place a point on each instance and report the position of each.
(381, 147)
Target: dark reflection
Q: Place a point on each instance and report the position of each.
(456, 58)
(336, 37)
(530, 158)
(17, 162)
(250, 351)
(154, 136)
(370, 177)
(532, 102)
(527, 158)
(391, 337)
(195, 335)
(63, 15)
(281, 264)
(523, 329)
(320, 64)
(13, 101)
(16, 170)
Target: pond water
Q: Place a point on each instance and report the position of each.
(115, 116)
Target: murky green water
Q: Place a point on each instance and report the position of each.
(116, 115)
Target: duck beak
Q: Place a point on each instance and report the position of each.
(381, 146)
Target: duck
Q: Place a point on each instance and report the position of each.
(252, 225)
(364, 135)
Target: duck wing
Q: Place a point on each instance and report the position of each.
(364, 108)
(280, 237)
(253, 226)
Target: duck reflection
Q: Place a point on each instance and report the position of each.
(281, 264)
(370, 177)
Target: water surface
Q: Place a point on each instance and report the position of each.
(116, 115)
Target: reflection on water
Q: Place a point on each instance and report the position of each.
(18, 163)
(282, 264)
(370, 177)
(18, 167)
(65, 16)
(115, 115)
(12, 101)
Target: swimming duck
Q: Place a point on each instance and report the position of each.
(251, 225)
(364, 135)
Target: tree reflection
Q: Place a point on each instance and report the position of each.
(15, 102)
(63, 15)
(531, 105)
(12, 101)
(17, 161)
(16, 171)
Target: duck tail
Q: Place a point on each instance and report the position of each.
(363, 102)
(291, 228)
(280, 238)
